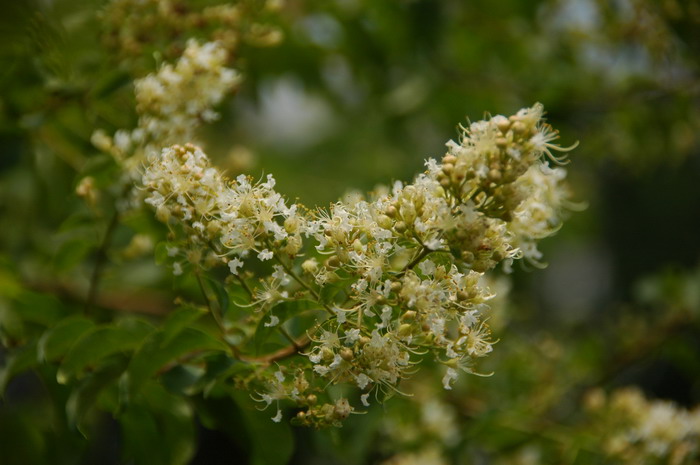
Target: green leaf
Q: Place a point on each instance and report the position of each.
(17, 362)
(181, 379)
(38, 308)
(221, 294)
(161, 252)
(110, 83)
(154, 354)
(71, 253)
(56, 342)
(283, 311)
(99, 343)
(271, 443)
(180, 319)
(159, 430)
(82, 399)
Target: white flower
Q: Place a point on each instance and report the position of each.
(234, 265)
(265, 255)
(274, 321)
(277, 418)
(177, 269)
(449, 377)
(363, 399)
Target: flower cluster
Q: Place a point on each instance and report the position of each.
(171, 104)
(396, 276)
(134, 29)
(641, 431)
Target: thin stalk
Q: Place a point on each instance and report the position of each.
(100, 258)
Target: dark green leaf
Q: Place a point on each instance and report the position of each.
(43, 309)
(83, 398)
(221, 294)
(71, 254)
(55, 342)
(159, 430)
(99, 343)
(180, 319)
(155, 354)
(181, 378)
(161, 252)
(272, 443)
(283, 311)
(17, 362)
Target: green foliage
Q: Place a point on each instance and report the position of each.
(152, 367)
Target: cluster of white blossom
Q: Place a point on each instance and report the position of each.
(408, 265)
(640, 431)
(172, 103)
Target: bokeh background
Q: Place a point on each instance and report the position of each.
(359, 93)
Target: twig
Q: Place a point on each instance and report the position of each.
(99, 263)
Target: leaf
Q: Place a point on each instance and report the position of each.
(110, 83)
(161, 252)
(221, 294)
(271, 443)
(43, 309)
(17, 362)
(178, 320)
(159, 430)
(283, 311)
(154, 354)
(83, 398)
(99, 343)
(55, 342)
(181, 379)
(330, 290)
(71, 253)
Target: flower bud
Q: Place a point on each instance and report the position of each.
(449, 158)
(384, 222)
(346, 354)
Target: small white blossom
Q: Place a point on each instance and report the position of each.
(234, 265)
(450, 376)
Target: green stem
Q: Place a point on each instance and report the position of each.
(100, 258)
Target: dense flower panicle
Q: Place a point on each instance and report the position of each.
(407, 266)
(172, 103)
(641, 431)
(133, 29)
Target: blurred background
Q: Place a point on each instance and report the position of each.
(359, 93)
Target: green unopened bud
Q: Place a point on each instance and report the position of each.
(519, 127)
(333, 262)
(310, 266)
(384, 222)
(409, 315)
(291, 224)
(449, 158)
(357, 246)
(346, 354)
(327, 354)
(391, 211)
(163, 213)
(503, 126)
(400, 227)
